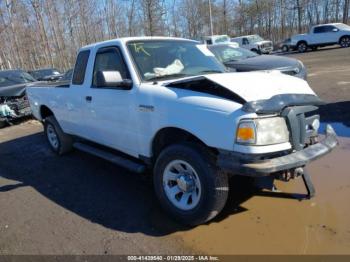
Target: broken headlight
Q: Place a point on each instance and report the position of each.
(262, 131)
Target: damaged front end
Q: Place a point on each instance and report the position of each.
(12, 108)
(13, 103)
(306, 145)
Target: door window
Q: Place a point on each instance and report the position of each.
(110, 59)
(319, 30)
(329, 29)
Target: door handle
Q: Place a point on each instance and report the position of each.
(88, 98)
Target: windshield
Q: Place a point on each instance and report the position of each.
(226, 53)
(254, 38)
(343, 27)
(8, 78)
(168, 59)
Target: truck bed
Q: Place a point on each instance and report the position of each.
(52, 84)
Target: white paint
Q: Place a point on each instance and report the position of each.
(321, 38)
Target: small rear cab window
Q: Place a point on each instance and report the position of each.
(80, 67)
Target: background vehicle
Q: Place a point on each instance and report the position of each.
(48, 74)
(67, 76)
(243, 60)
(216, 39)
(165, 103)
(254, 43)
(285, 45)
(322, 35)
(13, 100)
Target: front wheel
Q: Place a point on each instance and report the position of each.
(345, 41)
(302, 47)
(285, 49)
(256, 51)
(188, 185)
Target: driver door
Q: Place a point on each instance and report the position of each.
(111, 114)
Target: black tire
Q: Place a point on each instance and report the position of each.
(344, 41)
(64, 141)
(255, 51)
(302, 47)
(3, 124)
(214, 184)
(285, 49)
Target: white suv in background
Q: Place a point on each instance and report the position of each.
(254, 43)
(322, 35)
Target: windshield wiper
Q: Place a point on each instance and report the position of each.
(167, 77)
(209, 71)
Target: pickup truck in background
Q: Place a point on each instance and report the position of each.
(320, 36)
(167, 105)
(254, 43)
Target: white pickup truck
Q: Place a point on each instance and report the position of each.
(167, 105)
(320, 36)
(254, 43)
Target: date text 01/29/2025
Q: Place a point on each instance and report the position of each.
(173, 258)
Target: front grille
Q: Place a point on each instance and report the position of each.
(266, 45)
(299, 125)
(19, 105)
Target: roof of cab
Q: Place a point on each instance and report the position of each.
(327, 24)
(243, 36)
(127, 39)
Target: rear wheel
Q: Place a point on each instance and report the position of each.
(345, 41)
(188, 185)
(59, 142)
(302, 47)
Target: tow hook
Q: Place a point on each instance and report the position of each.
(308, 184)
(294, 173)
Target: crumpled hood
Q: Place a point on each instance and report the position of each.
(253, 86)
(263, 62)
(14, 90)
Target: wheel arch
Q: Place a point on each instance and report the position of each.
(45, 111)
(340, 38)
(172, 135)
(302, 41)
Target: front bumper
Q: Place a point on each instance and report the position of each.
(231, 162)
(266, 50)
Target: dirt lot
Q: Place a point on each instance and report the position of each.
(78, 204)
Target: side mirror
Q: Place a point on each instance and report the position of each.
(335, 30)
(112, 79)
